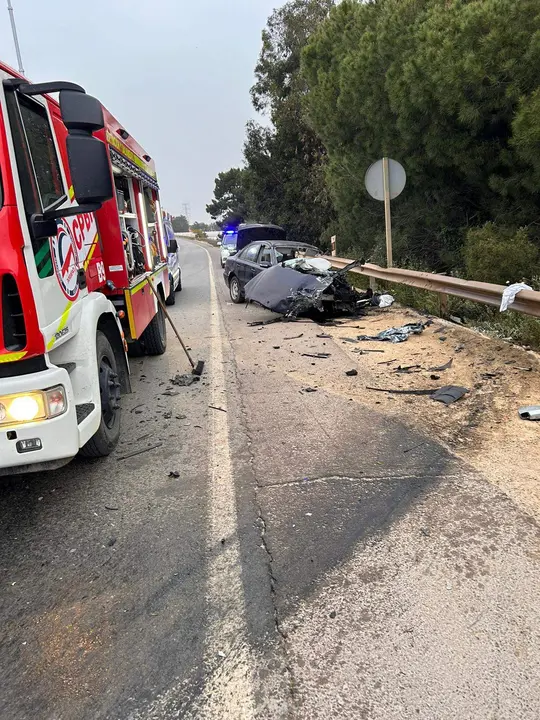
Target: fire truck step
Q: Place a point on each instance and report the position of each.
(83, 411)
(69, 366)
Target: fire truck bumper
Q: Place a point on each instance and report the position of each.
(44, 443)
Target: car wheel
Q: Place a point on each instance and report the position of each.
(179, 285)
(108, 433)
(235, 290)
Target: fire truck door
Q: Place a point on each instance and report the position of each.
(54, 264)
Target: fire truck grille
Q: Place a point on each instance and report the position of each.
(13, 326)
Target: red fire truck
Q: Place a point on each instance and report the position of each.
(81, 239)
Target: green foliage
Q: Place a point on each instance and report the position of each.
(180, 224)
(284, 179)
(500, 255)
(230, 195)
(450, 89)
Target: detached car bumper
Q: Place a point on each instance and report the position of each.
(43, 443)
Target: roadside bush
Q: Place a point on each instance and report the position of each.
(500, 255)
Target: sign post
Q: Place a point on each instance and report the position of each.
(387, 214)
(384, 181)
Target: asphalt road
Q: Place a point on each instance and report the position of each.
(312, 559)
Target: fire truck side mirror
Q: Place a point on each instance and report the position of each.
(87, 156)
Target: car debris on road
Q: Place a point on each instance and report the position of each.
(396, 334)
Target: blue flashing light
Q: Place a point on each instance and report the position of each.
(229, 232)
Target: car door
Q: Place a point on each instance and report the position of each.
(248, 265)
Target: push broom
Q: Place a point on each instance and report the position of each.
(196, 368)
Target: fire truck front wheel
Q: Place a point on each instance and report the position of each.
(106, 438)
(154, 338)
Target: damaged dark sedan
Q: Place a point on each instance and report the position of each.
(259, 256)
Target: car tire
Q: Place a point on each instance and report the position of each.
(237, 296)
(172, 297)
(106, 438)
(179, 285)
(154, 338)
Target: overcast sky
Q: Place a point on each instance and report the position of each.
(176, 74)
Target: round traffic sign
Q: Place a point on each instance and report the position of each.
(374, 179)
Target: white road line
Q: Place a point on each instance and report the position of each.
(229, 662)
(229, 690)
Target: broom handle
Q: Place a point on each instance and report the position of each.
(160, 301)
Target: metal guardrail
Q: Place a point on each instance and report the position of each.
(527, 301)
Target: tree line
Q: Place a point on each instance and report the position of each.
(450, 88)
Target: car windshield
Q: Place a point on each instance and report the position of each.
(289, 253)
(229, 241)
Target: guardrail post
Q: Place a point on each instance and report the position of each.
(443, 305)
(373, 284)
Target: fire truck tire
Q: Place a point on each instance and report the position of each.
(171, 300)
(154, 338)
(106, 438)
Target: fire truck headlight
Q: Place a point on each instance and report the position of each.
(26, 408)
(56, 401)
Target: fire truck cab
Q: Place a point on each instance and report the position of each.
(81, 240)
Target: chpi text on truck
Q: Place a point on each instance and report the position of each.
(81, 238)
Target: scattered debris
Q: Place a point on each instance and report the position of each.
(215, 407)
(333, 614)
(509, 294)
(524, 369)
(170, 393)
(183, 380)
(351, 373)
(174, 474)
(396, 334)
(386, 300)
(414, 447)
(276, 347)
(167, 415)
(318, 356)
(402, 392)
(387, 362)
(259, 323)
(365, 351)
(408, 369)
(325, 336)
(446, 395)
(111, 541)
(530, 412)
(111, 507)
(434, 377)
(449, 394)
(459, 347)
(139, 452)
(295, 337)
(443, 338)
(440, 368)
(310, 389)
(457, 320)
(137, 407)
(350, 340)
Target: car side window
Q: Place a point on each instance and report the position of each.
(251, 253)
(265, 255)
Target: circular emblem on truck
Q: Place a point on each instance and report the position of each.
(66, 260)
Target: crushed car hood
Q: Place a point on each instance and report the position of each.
(285, 291)
(310, 289)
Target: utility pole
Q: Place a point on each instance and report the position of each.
(187, 210)
(15, 38)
